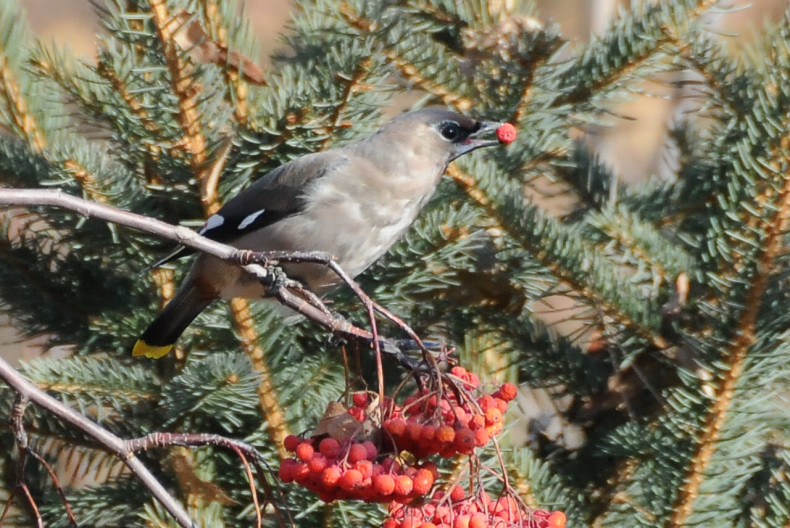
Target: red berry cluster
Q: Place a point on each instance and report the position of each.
(353, 470)
(428, 425)
(357, 453)
(478, 512)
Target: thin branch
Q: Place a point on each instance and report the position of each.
(58, 485)
(253, 491)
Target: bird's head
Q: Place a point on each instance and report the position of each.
(443, 132)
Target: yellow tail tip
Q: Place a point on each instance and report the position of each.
(141, 348)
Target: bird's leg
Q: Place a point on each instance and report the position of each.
(278, 279)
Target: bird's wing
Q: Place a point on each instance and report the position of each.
(275, 196)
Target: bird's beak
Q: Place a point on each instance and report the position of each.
(478, 139)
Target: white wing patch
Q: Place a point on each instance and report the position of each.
(213, 221)
(250, 219)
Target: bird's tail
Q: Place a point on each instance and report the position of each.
(160, 336)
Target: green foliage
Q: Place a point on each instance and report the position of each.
(677, 393)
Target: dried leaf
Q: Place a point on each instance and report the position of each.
(333, 410)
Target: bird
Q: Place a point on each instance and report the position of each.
(353, 202)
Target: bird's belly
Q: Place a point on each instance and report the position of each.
(356, 234)
(370, 246)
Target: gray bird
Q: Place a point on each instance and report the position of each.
(353, 202)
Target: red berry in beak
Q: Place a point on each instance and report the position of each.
(506, 133)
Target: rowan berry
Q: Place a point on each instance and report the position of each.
(478, 520)
(434, 469)
(487, 402)
(317, 463)
(457, 493)
(404, 485)
(461, 521)
(423, 481)
(556, 519)
(291, 442)
(428, 434)
(304, 451)
(286, 470)
(300, 472)
(357, 452)
(506, 133)
(395, 426)
(371, 448)
(493, 416)
(350, 479)
(331, 476)
(413, 431)
(384, 484)
(464, 440)
(445, 434)
(508, 391)
(329, 447)
(361, 399)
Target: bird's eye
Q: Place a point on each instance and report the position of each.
(450, 130)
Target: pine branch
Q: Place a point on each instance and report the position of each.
(267, 393)
(618, 54)
(106, 70)
(351, 86)
(238, 86)
(187, 93)
(586, 290)
(17, 107)
(737, 355)
(409, 71)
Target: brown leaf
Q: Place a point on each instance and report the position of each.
(343, 427)
(333, 411)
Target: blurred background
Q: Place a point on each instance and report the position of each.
(634, 143)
